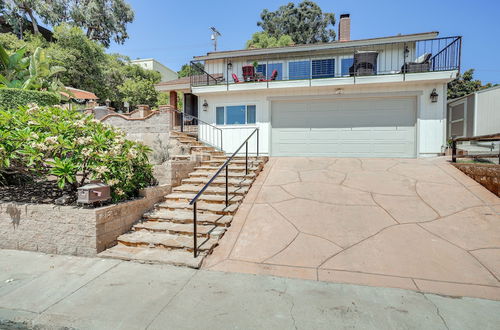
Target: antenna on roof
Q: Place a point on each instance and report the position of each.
(214, 36)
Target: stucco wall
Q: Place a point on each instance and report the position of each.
(431, 117)
(71, 230)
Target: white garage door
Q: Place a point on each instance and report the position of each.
(375, 127)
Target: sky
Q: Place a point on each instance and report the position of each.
(173, 32)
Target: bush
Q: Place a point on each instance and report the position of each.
(13, 98)
(51, 141)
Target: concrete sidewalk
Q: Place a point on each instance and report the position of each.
(91, 293)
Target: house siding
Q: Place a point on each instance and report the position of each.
(431, 117)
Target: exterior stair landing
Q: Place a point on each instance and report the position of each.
(165, 234)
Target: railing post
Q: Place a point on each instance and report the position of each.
(195, 243)
(227, 185)
(182, 121)
(454, 151)
(246, 157)
(221, 145)
(257, 143)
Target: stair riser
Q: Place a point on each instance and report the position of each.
(201, 199)
(240, 192)
(166, 247)
(173, 232)
(200, 211)
(189, 221)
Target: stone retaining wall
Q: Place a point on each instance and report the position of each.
(486, 174)
(71, 230)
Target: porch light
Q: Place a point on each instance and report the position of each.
(434, 96)
(229, 66)
(205, 105)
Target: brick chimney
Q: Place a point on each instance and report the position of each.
(345, 27)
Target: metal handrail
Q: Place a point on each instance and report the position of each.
(193, 64)
(224, 166)
(478, 138)
(183, 115)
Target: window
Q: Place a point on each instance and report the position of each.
(299, 70)
(346, 64)
(323, 68)
(235, 115)
(268, 69)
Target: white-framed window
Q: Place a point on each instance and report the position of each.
(235, 115)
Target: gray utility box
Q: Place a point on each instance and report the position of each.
(94, 192)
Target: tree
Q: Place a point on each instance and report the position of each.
(305, 23)
(465, 84)
(102, 20)
(187, 70)
(138, 91)
(264, 40)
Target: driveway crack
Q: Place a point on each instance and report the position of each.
(292, 301)
(438, 312)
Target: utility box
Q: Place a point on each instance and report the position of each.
(93, 193)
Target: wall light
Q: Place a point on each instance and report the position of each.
(229, 66)
(434, 96)
(205, 105)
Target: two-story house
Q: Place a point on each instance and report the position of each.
(380, 97)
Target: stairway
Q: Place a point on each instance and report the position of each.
(165, 235)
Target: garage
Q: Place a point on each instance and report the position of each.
(368, 127)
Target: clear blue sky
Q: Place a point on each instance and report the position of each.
(174, 31)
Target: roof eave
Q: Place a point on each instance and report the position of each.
(315, 47)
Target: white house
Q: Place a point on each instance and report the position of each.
(475, 114)
(381, 97)
(167, 74)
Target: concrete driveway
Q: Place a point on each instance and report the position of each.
(416, 224)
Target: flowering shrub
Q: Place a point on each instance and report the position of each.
(51, 141)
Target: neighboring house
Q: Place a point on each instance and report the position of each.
(167, 74)
(381, 97)
(475, 114)
(5, 27)
(78, 98)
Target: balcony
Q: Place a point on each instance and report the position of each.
(396, 61)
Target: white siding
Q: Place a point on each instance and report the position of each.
(430, 116)
(488, 112)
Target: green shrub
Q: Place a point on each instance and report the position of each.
(51, 141)
(13, 98)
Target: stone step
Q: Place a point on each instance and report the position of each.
(219, 181)
(187, 197)
(179, 216)
(231, 174)
(212, 190)
(176, 242)
(202, 147)
(261, 158)
(201, 206)
(180, 228)
(239, 162)
(232, 168)
(189, 141)
(158, 255)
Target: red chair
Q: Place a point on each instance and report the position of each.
(274, 75)
(235, 78)
(248, 72)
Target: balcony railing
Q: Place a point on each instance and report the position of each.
(429, 55)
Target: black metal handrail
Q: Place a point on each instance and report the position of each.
(224, 166)
(198, 75)
(214, 139)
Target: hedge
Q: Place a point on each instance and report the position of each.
(13, 98)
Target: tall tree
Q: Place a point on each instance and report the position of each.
(187, 70)
(306, 23)
(264, 40)
(102, 20)
(465, 84)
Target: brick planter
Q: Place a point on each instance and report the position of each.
(487, 175)
(69, 229)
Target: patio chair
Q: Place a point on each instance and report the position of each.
(248, 73)
(274, 75)
(421, 64)
(235, 78)
(365, 63)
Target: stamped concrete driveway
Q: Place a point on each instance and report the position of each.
(416, 224)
